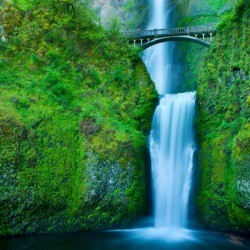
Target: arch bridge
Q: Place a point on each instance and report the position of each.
(202, 35)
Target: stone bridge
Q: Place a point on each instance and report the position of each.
(146, 38)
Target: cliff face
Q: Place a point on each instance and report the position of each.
(191, 56)
(75, 110)
(129, 13)
(223, 110)
(204, 8)
(223, 126)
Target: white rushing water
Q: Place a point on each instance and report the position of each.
(171, 138)
(159, 58)
(171, 147)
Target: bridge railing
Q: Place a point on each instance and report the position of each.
(170, 31)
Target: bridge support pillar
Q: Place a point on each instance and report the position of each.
(211, 37)
(203, 36)
(196, 35)
(4, 39)
(2, 34)
(134, 43)
(141, 41)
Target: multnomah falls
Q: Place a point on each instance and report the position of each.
(171, 138)
(124, 124)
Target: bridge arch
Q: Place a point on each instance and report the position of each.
(175, 39)
(147, 38)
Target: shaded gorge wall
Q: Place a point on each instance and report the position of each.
(223, 126)
(192, 56)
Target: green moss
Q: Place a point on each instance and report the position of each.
(76, 105)
(223, 124)
(192, 56)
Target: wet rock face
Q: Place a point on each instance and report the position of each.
(243, 187)
(130, 13)
(107, 182)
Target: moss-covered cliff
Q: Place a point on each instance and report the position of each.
(191, 56)
(223, 125)
(130, 14)
(75, 110)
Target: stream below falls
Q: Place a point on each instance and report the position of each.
(134, 239)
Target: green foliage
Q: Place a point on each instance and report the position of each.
(76, 105)
(202, 12)
(223, 123)
(241, 7)
(217, 4)
(129, 6)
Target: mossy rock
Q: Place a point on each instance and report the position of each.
(223, 124)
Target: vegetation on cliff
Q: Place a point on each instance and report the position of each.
(223, 125)
(190, 55)
(75, 109)
(129, 14)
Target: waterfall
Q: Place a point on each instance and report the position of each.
(171, 138)
(159, 58)
(171, 147)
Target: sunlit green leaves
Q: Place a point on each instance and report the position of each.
(75, 103)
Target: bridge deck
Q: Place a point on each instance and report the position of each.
(147, 34)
